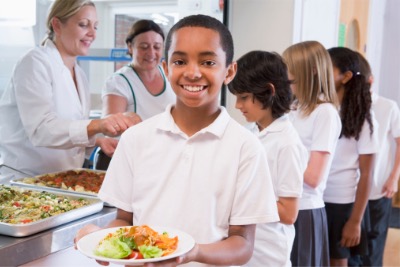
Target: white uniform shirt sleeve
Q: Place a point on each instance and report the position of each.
(395, 121)
(35, 80)
(292, 162)
(327, 127)
(117, 85)
(369, 143)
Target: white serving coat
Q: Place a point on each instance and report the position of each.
(43, 116)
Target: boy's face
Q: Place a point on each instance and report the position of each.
(196, 67)
(250, 107)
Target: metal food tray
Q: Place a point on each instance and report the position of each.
(20, 182)
(63, 190)
(21, 230)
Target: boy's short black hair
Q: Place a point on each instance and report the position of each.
(257, 71)
(207, 22)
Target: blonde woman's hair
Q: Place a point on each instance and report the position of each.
(63, 10)
(311, 66)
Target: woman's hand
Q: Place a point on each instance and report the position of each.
(112, 125)
(107, 145)
(115, 124)
(135, 117)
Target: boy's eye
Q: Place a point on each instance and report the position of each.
(209, 63)
(178, 62)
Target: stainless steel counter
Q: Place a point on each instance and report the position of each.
(15, 251)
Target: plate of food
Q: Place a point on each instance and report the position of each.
(135, 245)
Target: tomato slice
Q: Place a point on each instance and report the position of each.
(135, 255)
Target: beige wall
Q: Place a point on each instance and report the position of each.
(354, 16)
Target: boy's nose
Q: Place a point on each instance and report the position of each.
(192, 72)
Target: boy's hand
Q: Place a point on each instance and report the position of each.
(87, 229)
(188, 257)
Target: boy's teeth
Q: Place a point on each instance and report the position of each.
(193, 88)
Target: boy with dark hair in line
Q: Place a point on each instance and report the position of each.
(193, 167)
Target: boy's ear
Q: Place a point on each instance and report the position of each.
(165, 67)
(231, 72)
(271, 87)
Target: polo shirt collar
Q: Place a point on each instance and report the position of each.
(216, 128)
(276, 126)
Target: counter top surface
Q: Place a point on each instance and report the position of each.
(20, 250)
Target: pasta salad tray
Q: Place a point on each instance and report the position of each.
(26, 211)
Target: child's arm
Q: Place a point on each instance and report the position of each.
(391, 184)
(288, 208)
(316, 167)
(236, 249)
(351, 233)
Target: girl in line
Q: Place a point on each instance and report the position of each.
(316, 119)
(350, 177)
(263, 95)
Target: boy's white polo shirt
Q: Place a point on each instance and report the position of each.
(387, 114)
(287, 160)
(199, 184)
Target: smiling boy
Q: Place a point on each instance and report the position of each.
(193, 167)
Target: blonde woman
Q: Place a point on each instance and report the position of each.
(44, 111)
(316, 119)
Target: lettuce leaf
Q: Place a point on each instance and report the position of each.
(150, 251)
(113, 248)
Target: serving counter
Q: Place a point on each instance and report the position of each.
(16, 251)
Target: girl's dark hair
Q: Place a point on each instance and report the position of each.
(259, 71)
(207, 22)
(142, 26)
(356, 103)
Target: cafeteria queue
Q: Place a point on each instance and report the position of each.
(308, 182)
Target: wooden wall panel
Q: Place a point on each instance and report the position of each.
(354, 24)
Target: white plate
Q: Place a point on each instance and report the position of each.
(88, 243)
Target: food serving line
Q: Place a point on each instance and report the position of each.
(24, 243)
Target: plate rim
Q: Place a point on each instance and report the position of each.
(105, 231)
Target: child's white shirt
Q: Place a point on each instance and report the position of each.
(287, 160)
(344, 174)
(199, 184)
(319, 132)
(387, 114)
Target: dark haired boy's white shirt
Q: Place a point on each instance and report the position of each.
(287, 160)
(199, 184)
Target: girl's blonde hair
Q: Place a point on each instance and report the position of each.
(310, 64)
(63, 10)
